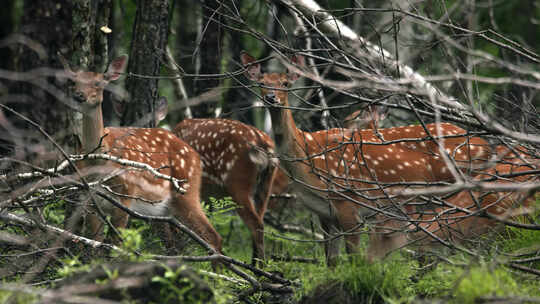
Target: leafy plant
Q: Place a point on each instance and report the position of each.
(132, 242)
(176, 287)
(55, 212)
(71, 266)
(481, 281)
(111, 275)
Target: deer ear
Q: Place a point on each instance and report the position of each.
(161, 109)
(65, 64)
(116, 68)
(253, 69)
(300, 62)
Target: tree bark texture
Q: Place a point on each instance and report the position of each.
(147, 49)
(209, 49)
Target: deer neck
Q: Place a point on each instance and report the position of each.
(93, 129)
(289, 139)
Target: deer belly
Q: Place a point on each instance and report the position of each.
(147, 196)
(155, 208)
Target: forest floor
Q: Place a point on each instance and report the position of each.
(437, 276)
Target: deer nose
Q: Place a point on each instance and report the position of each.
(79, 96)
(271, 98)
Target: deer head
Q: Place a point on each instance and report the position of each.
(274, 86)
(89, 86)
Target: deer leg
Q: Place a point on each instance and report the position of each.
(188, 210)
(385, 239)
(96, 227)
(348, 218)
(331, 246)
(174, 240)
(119, 220)
(253, 222)
(267, 191)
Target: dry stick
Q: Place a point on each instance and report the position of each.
(178, 84)
(173, 221)
(6, 216)
(79, 157)
(229, 262)
(333, 25)
(322, 98)
(215, 256)
(525, 269)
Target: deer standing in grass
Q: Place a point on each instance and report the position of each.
(159, 148)
(237, 158)
(337, 169)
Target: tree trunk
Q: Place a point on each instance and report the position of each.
(209, 49)
(7, 25)
(236, 98)
(147, 48)
(89, 51)
(186, 37)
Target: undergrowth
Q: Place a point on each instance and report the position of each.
(400, 278)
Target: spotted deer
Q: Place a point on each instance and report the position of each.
(339, 170)
(237, 158)
(161, 149)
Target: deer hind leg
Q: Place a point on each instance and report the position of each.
(265, 188)
(119, 219)
(252, 220)
(348, 218)
(387, 238)
(243, 185)
(331, 246)
(187, 208)
(174, 240)
(96, 226)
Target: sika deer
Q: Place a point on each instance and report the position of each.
(237, 158)
(159, 148)
(338, 168)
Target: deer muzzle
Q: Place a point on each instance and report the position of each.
(271, 99)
